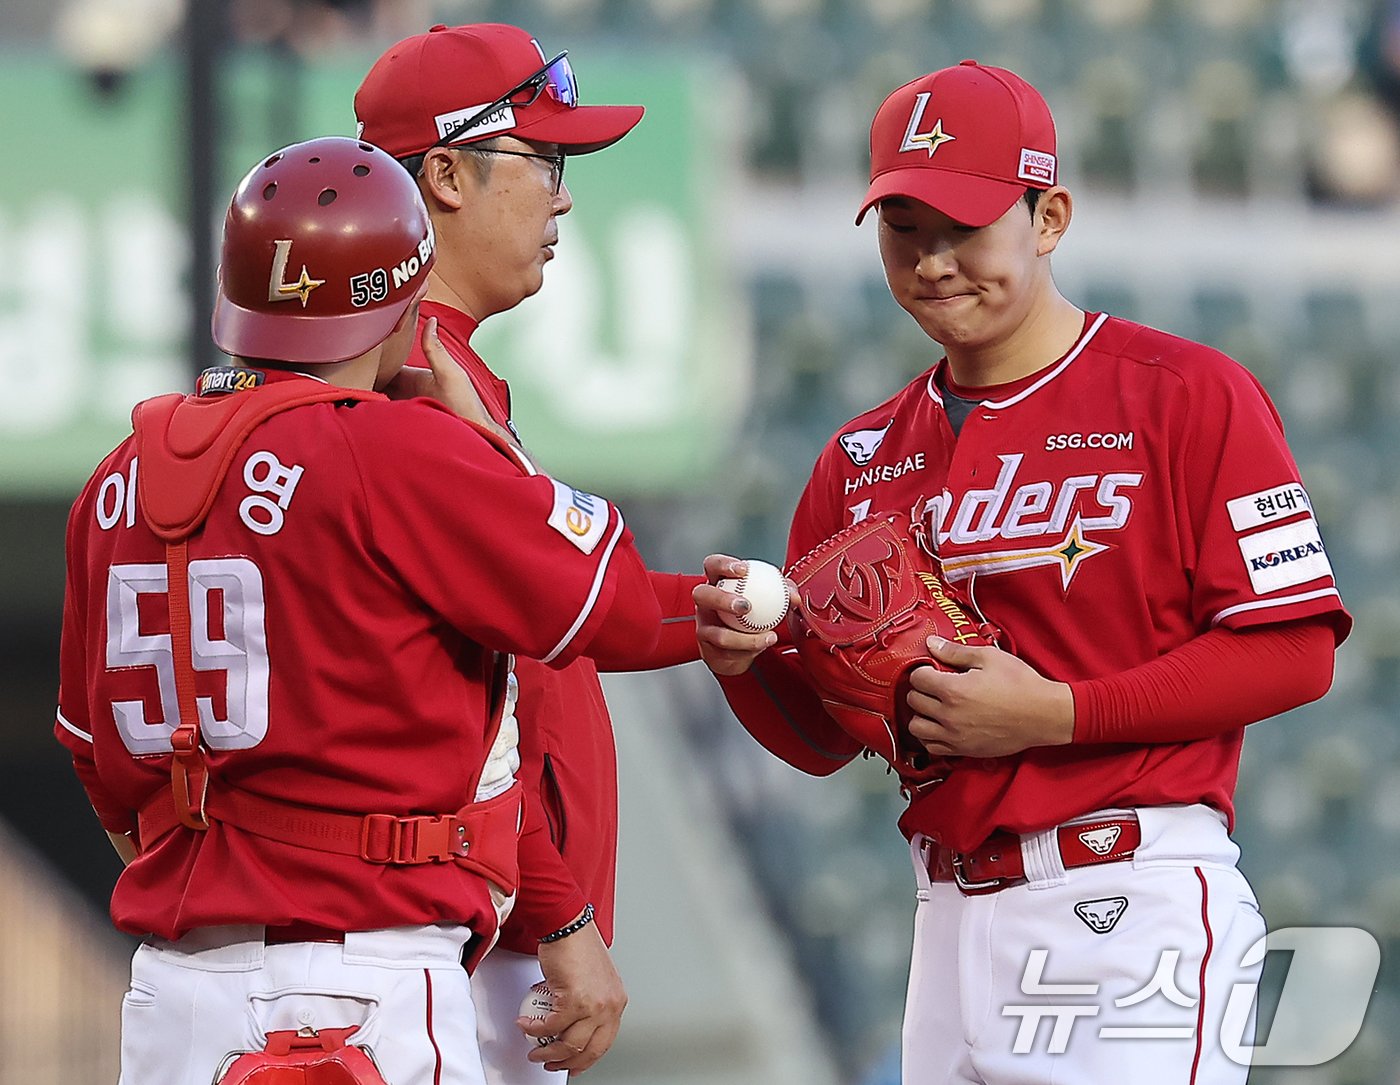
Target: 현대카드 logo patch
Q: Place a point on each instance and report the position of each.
(1268, 506)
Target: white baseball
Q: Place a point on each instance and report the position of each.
(539, 1004)
(766, 590)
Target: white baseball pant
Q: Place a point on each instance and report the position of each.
(1118, 972)
(499, 985)
(220, 990)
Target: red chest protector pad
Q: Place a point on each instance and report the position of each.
(294, 1058)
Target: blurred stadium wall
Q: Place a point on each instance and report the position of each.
(713, 316)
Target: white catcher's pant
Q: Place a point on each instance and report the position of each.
(220, 990)
(1016, 988)
(500, 984)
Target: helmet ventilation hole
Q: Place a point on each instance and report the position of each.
(327, 197)
(361, 170)
(272, 161)
(269, 190)
(314, 158)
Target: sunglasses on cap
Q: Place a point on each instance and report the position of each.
(556, 77)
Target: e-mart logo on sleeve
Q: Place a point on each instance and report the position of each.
(580, 517)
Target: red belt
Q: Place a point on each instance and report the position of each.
(997, 864)
(301, 932)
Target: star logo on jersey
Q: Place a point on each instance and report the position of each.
(1068, 555)
(1075, 549)
(931, 140)
(280, 290)
(1101, 915)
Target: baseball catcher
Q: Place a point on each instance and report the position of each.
(286, 658)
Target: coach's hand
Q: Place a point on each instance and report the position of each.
(588, 1002)
(445, 382)
(725, 650)
(990, 705)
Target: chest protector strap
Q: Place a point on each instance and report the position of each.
(186, 445)
(482, 836)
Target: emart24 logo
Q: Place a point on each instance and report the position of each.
(1327, 989)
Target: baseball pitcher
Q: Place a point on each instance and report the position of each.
(1121, 505)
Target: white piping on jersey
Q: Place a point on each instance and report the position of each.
(69, 727)
(592, 593)
(1283, 601)
(1071, 356)
(932, 388)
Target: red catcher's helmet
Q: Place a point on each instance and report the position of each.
(326, 244)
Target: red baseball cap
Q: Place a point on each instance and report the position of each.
(423, 89)
(967, 141)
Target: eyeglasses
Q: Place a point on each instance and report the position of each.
(556, 77)
(556, 161)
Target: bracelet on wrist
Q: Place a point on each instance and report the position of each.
(585, 918)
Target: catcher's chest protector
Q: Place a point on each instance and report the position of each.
(304, 1058)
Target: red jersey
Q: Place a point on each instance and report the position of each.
(1128, 498)
(568, 758)
(357, 561)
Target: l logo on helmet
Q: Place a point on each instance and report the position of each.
(931, 140)
(278, 290)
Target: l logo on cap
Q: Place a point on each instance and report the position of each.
(931, 140)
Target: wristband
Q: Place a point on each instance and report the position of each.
(573, 928)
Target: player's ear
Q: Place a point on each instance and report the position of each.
(1053, 211)
(442, 179)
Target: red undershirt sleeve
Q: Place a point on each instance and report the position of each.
(774, 702)
(1216, 683)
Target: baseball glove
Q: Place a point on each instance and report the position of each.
(869, 599)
